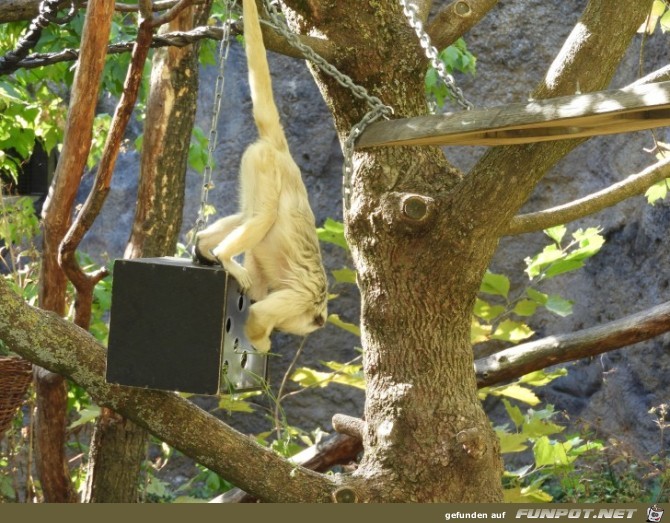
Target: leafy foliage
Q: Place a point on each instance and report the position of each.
(456, 57)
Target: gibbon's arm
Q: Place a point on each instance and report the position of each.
(265, 110)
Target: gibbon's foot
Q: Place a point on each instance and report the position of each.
(202, 259)
(240, 274)
(261, 345)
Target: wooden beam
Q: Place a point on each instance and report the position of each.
(604, 112)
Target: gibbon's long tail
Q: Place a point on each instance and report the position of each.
(265, 110)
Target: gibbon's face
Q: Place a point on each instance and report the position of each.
(305, 323)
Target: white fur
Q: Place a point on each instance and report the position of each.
(275, 227)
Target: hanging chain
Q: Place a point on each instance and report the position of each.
(207, 184)
(410, 11)
(377, 108)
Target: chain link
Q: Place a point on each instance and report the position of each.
(377, 108)
(207, 183)
(410, 11)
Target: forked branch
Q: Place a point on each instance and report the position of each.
(456, 19)
(535, 355)
(633, 185)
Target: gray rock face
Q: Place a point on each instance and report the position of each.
(514, 44)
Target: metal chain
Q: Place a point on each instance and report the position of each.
(410, 11)
(207, 184)
(377, 108)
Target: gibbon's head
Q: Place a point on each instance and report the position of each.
(312, 318)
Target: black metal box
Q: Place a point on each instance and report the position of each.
(178, 325)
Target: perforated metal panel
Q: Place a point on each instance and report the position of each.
(177, 325)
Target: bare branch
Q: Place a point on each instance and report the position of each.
(503, 178)
(171, 13)
(62, 347)
(527, 357)
(85, 283)
(273, 40)
(660, 75)
(335, 450)
(158, 5)
(632, 186)
(456, 19)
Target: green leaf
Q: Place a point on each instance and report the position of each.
(511, 442)
(479, 333)
(525, 308)
(345, 275)
(333, 232)
(548, 454)
(349, 327)
(512, 331)
(558, 305)
(530, 494)
(496, 284)
(235, 403)
(516, 392)
(536, 427)
(514, 413)
(665, 22)
(563, 266)
(538, 297)
(658, 8)
(590, 241)
(86, 415)
(556, 233)
(307, 377)
(486, 311)
(658, 191)
(542, 377)
(536, 264)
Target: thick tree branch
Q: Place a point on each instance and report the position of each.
(64, 348)
(505, 176)
(632, 186)
(527, 357)
(456, 19)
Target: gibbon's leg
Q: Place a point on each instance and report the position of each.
(259, 282)
(213, 235)
(266, 314)
(242, 239)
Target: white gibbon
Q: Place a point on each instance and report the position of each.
(275, 226)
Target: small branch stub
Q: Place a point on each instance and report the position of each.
(409, 212)
(472, 443)
(462, 9)
(354, 427)
(345, 495)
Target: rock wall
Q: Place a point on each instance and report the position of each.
(515, 44)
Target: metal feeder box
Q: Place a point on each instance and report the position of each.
(177, 325)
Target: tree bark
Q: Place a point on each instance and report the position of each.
(50, 389)
(119, 445)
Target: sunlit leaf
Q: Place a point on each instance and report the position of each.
(486, 311)
(511, 442)
(558, 305)
(479, 333)
(496, 284)
(516, 392)
(86, 415)
(536, 427)
(349, 327)
(556, 233)
(550, 454)
(512, 331)
(345, 275)
(530, 494)
(525, 308)
(538, 297)
(658, 191)
(332, 232)
(541, 377)
(514, 413)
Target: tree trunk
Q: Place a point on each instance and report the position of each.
(427, 437)
(50, 388)
(119, 446)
